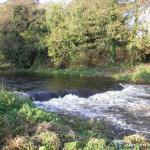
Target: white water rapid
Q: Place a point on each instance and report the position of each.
(127, 109)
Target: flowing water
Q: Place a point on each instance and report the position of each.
(124, 106)
(127, 109)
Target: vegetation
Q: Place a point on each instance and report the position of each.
(82, 72)
(79, 34)
(25, 127)
(21, 32)
(138, 74)
(84, 37)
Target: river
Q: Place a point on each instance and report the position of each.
(125, 106)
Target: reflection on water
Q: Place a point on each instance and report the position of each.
(56, 83)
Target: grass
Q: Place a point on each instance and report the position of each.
(25, 127)
(138, 74)
(106, 70)
(5, 66)
(81, 72)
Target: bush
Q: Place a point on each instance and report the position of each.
(64, 131)
(36, 115)
(9, 101)
(49, 140)
(95, 144)
(72, 146)
(18, 116)
(42, 141)
(135, 139)
(20, 143)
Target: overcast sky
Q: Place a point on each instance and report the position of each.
(42, 1)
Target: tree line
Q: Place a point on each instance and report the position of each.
(82, 33)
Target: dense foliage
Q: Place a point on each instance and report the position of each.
(88, 34)
(22, 34)
(82, 33)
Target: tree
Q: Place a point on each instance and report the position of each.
(23, 39)
(78, 30)
(138, 44)
(89, 31)
(117, 29)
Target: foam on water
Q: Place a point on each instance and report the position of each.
(129, 108)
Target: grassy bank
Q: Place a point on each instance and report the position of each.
(103, 71)
(45, 72)
(136, 74)
(25, 127)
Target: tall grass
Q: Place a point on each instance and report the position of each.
(141, 74)
(81, 72)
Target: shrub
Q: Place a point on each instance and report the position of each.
(72, 146)
(34, 115)
(42, 141)
(135, 139)
(18, 116)
(49, 140)
(95, 144)
(20, 143)
(65, 132)
(9, 101)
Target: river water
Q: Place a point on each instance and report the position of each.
(124, 106)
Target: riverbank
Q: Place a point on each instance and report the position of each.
(23, 126)
(139, 74)
(45, 72)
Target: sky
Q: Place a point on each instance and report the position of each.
(42, 1)
(1, 1)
